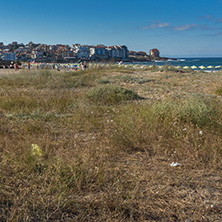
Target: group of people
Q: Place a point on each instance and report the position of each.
(16, 66)
(58, 67)
(83, 65)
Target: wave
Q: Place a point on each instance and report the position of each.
(172, 60)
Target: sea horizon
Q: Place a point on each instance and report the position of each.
(183, 61)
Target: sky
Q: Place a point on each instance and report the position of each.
(178, 28)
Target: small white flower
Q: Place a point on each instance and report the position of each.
(92, 112)
(175, 164)
(201, 132)
(184, 129)
(111, 120)
(97, 169)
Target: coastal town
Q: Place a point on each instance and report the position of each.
(59, 53)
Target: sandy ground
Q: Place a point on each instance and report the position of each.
(8, 71)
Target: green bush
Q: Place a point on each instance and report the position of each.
(166, 126)
(219, 91)
(194, 109)
(103, 81)
(142, 81)
(83, 81)
(128, 79)
(110, 94)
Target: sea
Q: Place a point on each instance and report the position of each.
(215, 62)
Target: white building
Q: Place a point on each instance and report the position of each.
(117, 51)
(120, 51)
(98, 52)
(81, 50)
(37, 54)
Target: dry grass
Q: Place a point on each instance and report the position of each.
(110, 161)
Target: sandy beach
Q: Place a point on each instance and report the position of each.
(4, 72)
(7, 71)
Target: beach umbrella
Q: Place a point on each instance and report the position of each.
(194, 67)
(160, 67)
(178, 67)
(186, 67)
(218, 67)
(210, 67)
(202, 67)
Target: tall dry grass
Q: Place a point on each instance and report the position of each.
(102, 159)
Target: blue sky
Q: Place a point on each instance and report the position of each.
(182, 28)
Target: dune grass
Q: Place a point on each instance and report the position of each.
(110, 94)
(75, 149)
(219, 91)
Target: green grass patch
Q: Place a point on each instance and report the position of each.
(164, 127)
(103, 81)
(110, 94)
(219, 91)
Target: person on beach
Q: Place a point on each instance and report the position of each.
(79, 66)
(85, 65)
(29, 66)
(16, 66)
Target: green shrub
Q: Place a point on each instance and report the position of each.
(83, 81)
(103, 81)
(194, 109)
(110, 94)
(219, 91)
(142, 81)
(128, 79)
(173, 125)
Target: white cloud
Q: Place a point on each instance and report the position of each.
(211, 18)
(156, 25)
(184, 27)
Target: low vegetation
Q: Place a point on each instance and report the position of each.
(219, 91)
(110, 94)
(83, 146)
